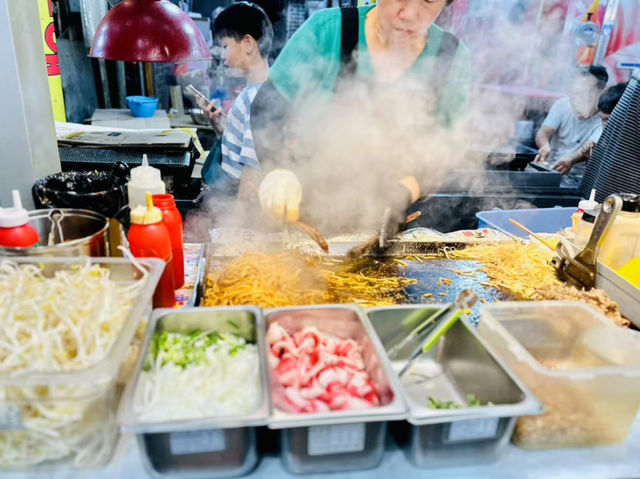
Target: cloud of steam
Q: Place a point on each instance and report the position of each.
(350, 152)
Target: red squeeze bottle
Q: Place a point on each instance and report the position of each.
(15, 229)
(173, 220)
(149, 238)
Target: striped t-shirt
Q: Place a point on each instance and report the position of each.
(237, 140)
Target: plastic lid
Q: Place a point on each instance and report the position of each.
(145, 173)
(589, 205)
(15, 216)
(148, 215)
(630, 202)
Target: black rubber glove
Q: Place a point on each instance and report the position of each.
(394, 215)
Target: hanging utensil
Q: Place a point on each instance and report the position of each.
(56, 235)
(465, 300)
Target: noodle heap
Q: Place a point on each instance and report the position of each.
(525, 272)
(292, 278)
(513, 267)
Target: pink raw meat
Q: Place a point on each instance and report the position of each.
(319, 372)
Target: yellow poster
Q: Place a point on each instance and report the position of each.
(51, 55)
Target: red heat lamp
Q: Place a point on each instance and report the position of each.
(148, 31)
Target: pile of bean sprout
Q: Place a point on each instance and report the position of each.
(63, 323)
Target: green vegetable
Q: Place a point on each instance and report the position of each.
(186, 349)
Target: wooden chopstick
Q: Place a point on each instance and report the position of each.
(534, 235)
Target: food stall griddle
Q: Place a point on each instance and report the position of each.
(425, 262)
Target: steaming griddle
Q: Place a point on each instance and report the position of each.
(428, 270)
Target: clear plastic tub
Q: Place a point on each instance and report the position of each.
(203, 446)
(458, 365)
(337, 441)
(68, 419)
(584, 369)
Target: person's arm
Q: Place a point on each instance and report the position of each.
(565, 164)
(543, 140)
(582, 154)
(305, 65)
(549, 127)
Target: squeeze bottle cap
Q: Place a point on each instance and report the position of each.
(589, 205)
(145, 173)
(146, 215)
(14, 216)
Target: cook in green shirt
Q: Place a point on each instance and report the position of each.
(309, 69)
(310, 62)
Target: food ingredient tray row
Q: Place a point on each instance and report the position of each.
(336, 440)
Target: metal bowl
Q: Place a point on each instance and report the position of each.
(66, 232)
(198, 116)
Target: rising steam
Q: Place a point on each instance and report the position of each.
(349, 152)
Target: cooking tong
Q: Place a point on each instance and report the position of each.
(431, 329)
(582, 269)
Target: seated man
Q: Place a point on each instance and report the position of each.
(608, 101)
(572, 120)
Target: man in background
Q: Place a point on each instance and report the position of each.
(608, 101)
(573, 120)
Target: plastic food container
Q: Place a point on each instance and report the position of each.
(142, 106)
(76, 423)
(458, 365)
(210, 446)
(583, 368)
(337, 440)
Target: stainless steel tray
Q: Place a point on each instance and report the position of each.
(248, 319)
(460, 364)
(346, 321)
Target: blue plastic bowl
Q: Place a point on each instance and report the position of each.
(142, 106)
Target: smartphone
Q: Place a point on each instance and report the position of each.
(196, 93)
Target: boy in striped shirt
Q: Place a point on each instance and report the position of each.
(245, 34)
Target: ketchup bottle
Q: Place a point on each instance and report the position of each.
(173, 220)
(15, 229)
(149, 238)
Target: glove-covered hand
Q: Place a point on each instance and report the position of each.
(280, 195)
(394, 215)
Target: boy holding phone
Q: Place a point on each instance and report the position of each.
(245, 33)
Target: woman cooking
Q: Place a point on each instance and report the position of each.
(350, 111)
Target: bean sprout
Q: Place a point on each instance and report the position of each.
(63, 323)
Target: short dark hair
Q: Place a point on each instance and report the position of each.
(610, 98)
(245, 18)
(600, 73)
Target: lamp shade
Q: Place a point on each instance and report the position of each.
(148, 31)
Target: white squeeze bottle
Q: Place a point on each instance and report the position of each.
(144, 179)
